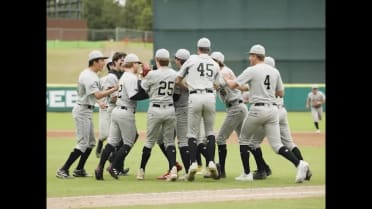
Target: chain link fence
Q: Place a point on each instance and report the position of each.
(116, 34)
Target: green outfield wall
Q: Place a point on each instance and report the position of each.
(62, 98)
(292, 31)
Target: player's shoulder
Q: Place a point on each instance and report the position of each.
(226, 69)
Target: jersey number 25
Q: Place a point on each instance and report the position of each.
(166, 87)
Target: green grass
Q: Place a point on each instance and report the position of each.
(303, 203)
(283, 172)
(299, 121)
(66, 59)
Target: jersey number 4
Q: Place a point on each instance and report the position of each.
(166, 87)
(208, 67)
(267, 82)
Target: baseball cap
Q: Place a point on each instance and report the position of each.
(204, 42)
(270, 61)
(162, 54)
(218, 56)
(314, 86)
(257, 49)
(95, 54)
(108, 61)
(182, 54)
(131, 58)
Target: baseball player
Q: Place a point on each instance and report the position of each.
(315, 99)
(265, 85)
(263, 170)
(107, 104)
(235, 108)
(160, 86)
(202, 74)
(123, 124)
(87, 92)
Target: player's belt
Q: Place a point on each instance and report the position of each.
(263, 104)
(201, 90)
(162, 105)
(88, 106)
(234, 102)
(125, 108)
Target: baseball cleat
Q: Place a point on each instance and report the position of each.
(213, 170)
(302, 169)
(99, 174)
(124, 172)
(113, 172)
(80, 173)
(259, 174)
(268, 170)
(245, 177)
(192, 171)
(172, 174)
(63, 174)
(164, 176)
(309, 174)
(141, 174)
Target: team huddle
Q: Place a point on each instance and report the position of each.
(182, 112)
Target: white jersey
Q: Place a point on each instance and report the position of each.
(88, 84)
(160, 85)
(227, 94)
(200, 71)
(263, 80)
(128, 87)
(314, 98)
(107, 81)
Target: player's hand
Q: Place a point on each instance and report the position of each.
(102, 105)
(115, 87)
(145, 69)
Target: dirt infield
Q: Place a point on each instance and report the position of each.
(300, 138)
(163, 198)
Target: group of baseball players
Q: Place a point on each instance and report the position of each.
(183, 106)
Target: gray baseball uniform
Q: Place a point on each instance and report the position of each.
(83, 110)
(160, 85)
(201, 72)
(236, 110)
(105, 114)
(312, 99)
(264, 81)
(123, 124)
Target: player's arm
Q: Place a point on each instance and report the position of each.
(93, 88)
(141, 94)
(241, 80)
(182, 73)
(279, 87)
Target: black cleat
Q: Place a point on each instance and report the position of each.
(259, 174)
(113, 172)
(80, 173)
(308, 175)
(124, 172)
(268, 170)
(99, 174)
(223, 174)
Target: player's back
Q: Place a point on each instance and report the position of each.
(263, 81)
(160, 84)
(227, 94)
(201, 73)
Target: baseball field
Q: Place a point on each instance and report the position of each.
(64, 62)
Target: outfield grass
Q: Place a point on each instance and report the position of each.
(66, 59)
(299, 121)
(303, 203)
(283, 172)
